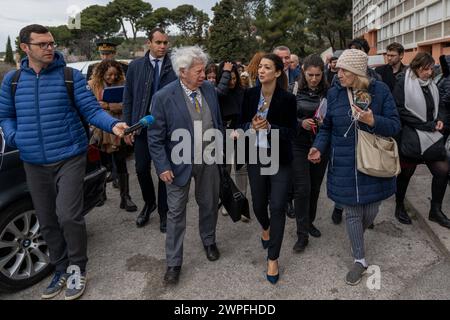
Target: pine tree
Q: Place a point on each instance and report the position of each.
(9, 58)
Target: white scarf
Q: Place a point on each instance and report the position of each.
(416, 104)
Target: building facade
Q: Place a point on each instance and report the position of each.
(419, 25)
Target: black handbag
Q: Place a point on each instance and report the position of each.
(410, 147)
(231, 197)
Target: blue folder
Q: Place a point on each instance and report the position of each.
(113, 94)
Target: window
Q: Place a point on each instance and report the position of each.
(420, 17)
(434, 12)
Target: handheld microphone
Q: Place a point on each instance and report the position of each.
(145, 122)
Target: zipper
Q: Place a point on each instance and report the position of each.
(356, 165)
(38, 115)
(332, 159)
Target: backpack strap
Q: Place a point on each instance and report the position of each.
(14, 82)
(68, 80)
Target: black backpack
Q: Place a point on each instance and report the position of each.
(68, 80)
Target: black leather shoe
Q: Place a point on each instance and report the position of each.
(172, 275)
(313, 231)
(144, 216)
(336, 216)
(290, 212)
(300, 245)
(212, 253)
(401, 214)
(436, 215)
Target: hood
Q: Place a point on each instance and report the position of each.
(445, 65)
(58, 61)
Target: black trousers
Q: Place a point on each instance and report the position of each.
(271, 190)
(308, 178)
(143, 171)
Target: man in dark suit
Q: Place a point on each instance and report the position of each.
(145, 77)
(394, 66)
(285, 54)
(179, 108)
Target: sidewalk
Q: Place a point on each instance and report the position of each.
(418, 199)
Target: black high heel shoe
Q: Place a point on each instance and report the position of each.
(265, 243)
(273, 279)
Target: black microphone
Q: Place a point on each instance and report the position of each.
(145, 122)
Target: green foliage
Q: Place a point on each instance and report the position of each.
(161, 17)
(133, 11)
(9, 57)
(193, 24)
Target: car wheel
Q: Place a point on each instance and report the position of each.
(24, 255)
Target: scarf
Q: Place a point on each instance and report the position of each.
(416, 104)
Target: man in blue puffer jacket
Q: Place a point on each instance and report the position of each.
(42, 123)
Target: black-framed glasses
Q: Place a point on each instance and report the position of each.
(44, 45)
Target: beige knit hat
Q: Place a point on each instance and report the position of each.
(354, 61)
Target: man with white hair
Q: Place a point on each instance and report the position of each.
(182, 106)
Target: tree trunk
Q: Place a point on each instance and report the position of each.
(123, 29)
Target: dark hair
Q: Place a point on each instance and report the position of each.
(102, 68)
(333, 58)
(395, 46)
(153, 31)
(233, 70)
(316, 61)
(211, 68)
(360, 44)
(25, 33)
(421, 60)
(282, 80)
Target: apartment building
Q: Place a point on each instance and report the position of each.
(419, 25)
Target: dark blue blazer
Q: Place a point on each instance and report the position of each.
(171, 113)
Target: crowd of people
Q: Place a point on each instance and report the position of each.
(316, 107)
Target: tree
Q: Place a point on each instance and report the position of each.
(62, 35)
(161, 18)
(9, 58)
(193, 24)
(132, 11)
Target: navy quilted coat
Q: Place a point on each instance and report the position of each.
(345, 184)
(43, 124)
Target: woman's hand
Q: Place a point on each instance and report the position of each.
(314, 155)
(104, 105)
(365, 116)
(439, 126)
(259, 123)
(227, 66)
(307, 124)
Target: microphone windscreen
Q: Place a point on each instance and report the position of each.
(147, 121)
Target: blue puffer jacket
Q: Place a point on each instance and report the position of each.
(43, 124)
(345, 184)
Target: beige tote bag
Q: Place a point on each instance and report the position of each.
(375, 155)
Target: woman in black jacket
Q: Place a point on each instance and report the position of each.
(311, 93)
(270, 112)
(422, 115)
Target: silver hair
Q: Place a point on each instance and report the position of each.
(281, 48)
(184, 57)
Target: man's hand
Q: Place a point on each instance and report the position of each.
(314, 155)
(439, 126)
(227, 66)
(119, 129)
(167, 176)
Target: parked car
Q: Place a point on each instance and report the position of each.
(83, 66)
(24, 255)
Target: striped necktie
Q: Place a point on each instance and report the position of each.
(195, 102)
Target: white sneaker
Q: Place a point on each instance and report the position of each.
(224, 211)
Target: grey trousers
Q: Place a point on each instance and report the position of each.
(57, 194)
(358, 219)
(207, 181)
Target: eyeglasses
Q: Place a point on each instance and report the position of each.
(44, 45)
(158, 42)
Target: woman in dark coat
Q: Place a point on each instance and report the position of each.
(270, 112)
(421, 141)
(360, 194)
(311, 93)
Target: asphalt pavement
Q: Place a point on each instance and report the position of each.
(126, 262)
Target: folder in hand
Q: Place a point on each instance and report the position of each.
(113, 94)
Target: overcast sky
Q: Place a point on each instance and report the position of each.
(16, 14)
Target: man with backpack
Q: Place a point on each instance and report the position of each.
(44, 111)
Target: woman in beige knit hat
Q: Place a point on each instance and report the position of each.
(373, 110)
